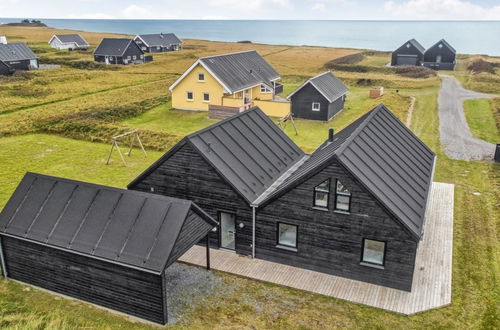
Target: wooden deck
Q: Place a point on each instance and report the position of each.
(431, 281)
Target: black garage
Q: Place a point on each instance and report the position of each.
(410, 53)
(103, 245)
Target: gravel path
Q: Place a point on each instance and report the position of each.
(456, 138)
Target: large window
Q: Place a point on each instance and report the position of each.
(321, 194)
(343, 198)
(287, 235)
(201, 77)
(206, 97)
(189, 96)
(316, 106)
(373, 252)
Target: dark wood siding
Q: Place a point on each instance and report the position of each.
(335, 107)
(113, 286)
(403, 50)
(4, 69)
(447, 58)
(133, 50)
(187, 175)
(302, 104)
(19, 65)
(331, 242)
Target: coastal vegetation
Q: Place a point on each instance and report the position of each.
(59, 122)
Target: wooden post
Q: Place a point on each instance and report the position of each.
(114, 144)
(110, 152)
(208, 251)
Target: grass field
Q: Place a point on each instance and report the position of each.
(89, 105)
(481, 120)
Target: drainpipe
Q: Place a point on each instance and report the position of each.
(2, 260)
(253, 231)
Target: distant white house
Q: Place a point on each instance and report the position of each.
(68, 41)
(3, 40)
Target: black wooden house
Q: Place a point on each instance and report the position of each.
(319, 98)
(119, 51)
(159, 42)
(354, 208)
(18, 56)
(5, 69)
(410, 53)
(103, 245)
(440, 56)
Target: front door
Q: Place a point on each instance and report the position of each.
(227, 231)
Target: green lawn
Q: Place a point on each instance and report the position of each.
(479, 115)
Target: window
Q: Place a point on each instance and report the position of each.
(438, 59)
(142, 56)
(440, 45)
(373, 252)
(206, 97)
(321, 194)
(201, 77)
(189, 96)
(316, 106)
(134, 57)
(287, 235)
(128, 57)
(408, 45)
(265, 89)
(343, 198)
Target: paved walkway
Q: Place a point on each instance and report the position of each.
(431, 282)
(456, 138)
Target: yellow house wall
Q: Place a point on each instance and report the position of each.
(256, 94)
(273, 108)
(190, 83)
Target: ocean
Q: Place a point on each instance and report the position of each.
(468, 37)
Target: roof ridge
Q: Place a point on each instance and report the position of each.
(319, 75)
(241, 52)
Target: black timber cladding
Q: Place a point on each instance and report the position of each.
(327, 84)
(16, 51)
(384, 156)
(410, 53)
(129, 228)
(248, 150)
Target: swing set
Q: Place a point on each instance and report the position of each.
(133, 136)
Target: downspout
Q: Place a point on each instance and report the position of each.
(253, 230)
(2, 260)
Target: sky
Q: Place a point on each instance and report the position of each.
(255, 9)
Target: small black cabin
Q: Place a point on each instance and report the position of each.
(18, 56)
(319, 98)
(160, 42)
(119, 51)
(104, 245)
(353, 208)
(410, 53)
(4, 69)
(441, 56)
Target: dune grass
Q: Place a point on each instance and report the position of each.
(481, 120)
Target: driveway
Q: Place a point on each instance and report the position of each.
(456, 138)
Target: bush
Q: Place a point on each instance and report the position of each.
(480, 65)
(92, 65)
(244, 42)
(413, 71)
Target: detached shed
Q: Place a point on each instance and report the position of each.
(103, 245)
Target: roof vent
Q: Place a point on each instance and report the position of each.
(331, 133)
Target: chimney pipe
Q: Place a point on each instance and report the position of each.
(330, 134)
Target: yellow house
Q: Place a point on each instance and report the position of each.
(235, 80)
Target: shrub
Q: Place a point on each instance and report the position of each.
(480, 65)
(91, 65)
(244, 42)
(413, 71)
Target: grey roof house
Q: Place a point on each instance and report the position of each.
(319, 98)
(18, 56)
(410, 53)
(104, 245)
(119, 51)
(68, 41)
(440, 56)
(159, 42)
(354, 207)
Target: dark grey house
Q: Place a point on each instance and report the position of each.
(118, 51)
(440, 56)
(18, 56)
(4, 69)
(160, 42)
(68, 41)
(354, 208)
(410, 53)
(103, 245)
(319, 98)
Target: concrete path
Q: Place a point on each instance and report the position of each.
(431, 279)
(456, 138)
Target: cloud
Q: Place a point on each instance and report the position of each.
(135, 11)
(249, 4)
(90, 16)
(441, 10)
(318, 6)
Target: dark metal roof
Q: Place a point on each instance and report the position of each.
(16, 51)
(247, 149)
(72, 38)
(445, 43)
(113, 46)
(327, 84)
(415, 44)
(385, 157)
(160, 39)
(121, 226)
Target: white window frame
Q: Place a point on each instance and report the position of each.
(279, 243)
(192, 96)
(265, 90)
(319, 106)
(204, 97)
(134, 57)
(371, 262)
(201, 73)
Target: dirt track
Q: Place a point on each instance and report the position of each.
(456, 138)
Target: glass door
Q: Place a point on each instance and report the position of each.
(227, 231)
